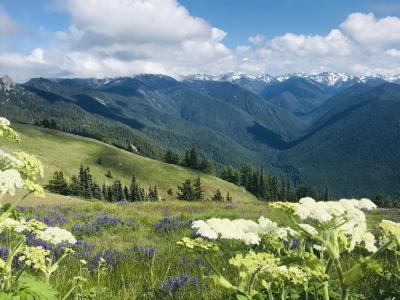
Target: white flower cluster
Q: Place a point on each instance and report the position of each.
(347, 214)
(13, 225)
(325, 211)
(4, 121)
(245, 230)
(9, 181)
(55, 236)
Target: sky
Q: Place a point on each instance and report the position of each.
(97, 38)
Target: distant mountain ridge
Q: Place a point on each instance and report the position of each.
(327, 129)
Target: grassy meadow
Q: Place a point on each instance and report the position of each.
(65, 152)
(138, 241)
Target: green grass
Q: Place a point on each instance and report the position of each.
(66, 152)
(139, 278)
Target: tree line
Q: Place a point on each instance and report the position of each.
(269, 188)
(84, 185)
(191, 160)
(195, 192)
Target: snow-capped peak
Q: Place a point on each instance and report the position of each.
(331, 78)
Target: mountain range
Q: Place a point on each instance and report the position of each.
(330, 129)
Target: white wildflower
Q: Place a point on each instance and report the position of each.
(9, 181)
(369, 242)
(4, 121)
(13, 225)
(55, 236)
(366, 204)
(309, 229)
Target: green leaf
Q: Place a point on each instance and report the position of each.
(35, 289)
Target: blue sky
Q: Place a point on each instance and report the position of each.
(122, 37)
(241, 18)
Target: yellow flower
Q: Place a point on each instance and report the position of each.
(197, 244)
(34, 188)
(36, 257)
(8, 132)
(30, 167)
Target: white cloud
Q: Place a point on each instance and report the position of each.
(393, 53)
(257, 39)
(8, 27)
(125, 37)
(368, 31)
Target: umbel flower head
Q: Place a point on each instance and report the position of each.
(10, 180)
(30, 167)
(36, 257)
(247, 231)
(6, 131)
(55, 236)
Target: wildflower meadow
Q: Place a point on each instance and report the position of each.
(346, 249)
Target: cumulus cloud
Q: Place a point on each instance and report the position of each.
(257, 39)
(125, 37)
(8, 27)
(368, 31)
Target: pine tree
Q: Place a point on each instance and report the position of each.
(327, 194)
(186, 160)
(230, 174)
(206, 166)
(199, 193)
(193, 159)
(109, 174)
(118, 192)
(96, 191)
(186, 191)
(217, 197)
(104, 191)
(75, 186)
(171, 157)
(58, 184)
(126, 193)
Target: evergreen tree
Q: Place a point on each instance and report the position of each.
(117, 190)
(58, 184)
(104, 191)
(193, 159)
(186, 160)
(199, 193)
(109, 174)
(126, 193)
(96, 191)
(136, 193)
(171, 157)
(206, 166)
(379, 200)
(327, 194)
(245, 176)
(153, 193)
(75, 186)
(230, 174)
(217, 197)
(306, 191)
(186, 191)
(389, 202)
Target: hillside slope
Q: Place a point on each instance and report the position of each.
(66, 152)
(354, 147)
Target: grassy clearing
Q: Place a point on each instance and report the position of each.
(157, 226)
(66, 152)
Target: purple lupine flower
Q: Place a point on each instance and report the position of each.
(143, 252)
(169, 224)
(173, 284)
